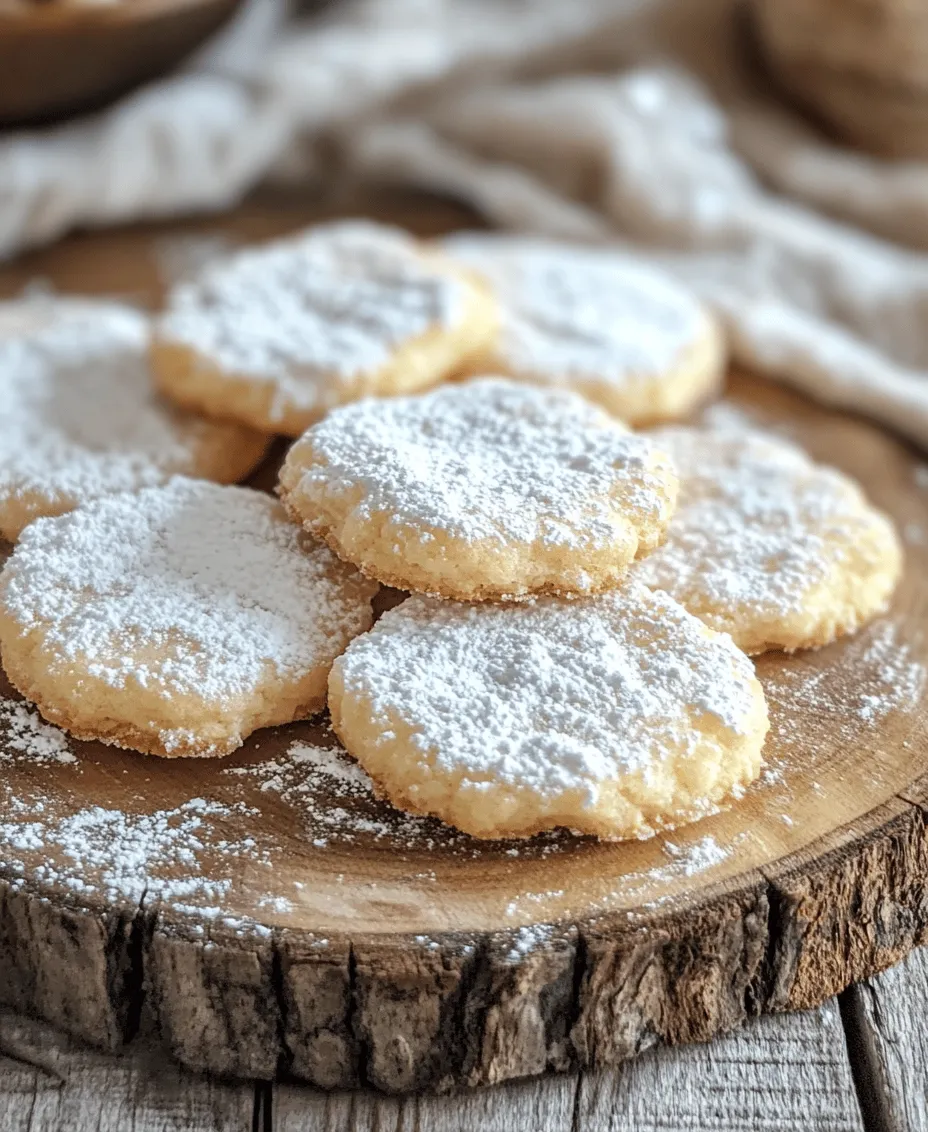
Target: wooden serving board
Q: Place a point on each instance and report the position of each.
(268, 917)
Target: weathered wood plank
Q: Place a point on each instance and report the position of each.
(781, 1073)
(49, 1083)
(888, 1035)
(544, 1104)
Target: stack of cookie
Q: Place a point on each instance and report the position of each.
(583, 598)
(860, 66)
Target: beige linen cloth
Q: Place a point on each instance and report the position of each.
(638, 122)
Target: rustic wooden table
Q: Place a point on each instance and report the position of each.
(857, 1063)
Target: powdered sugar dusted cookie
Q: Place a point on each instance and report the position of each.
(80, 417)
(768, 546)
(480, 491)
(178, 620)
(598, 322)
(276, 336)
(616, 715)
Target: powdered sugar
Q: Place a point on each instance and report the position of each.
(892, 680)
(80, 418)
(758, 527)
(576, 314)
(578, 693)
(696, 857)
(305, 312)
(332, 764)
(884, 677)
(190, 588)
(23, 735)
(528, 939)
(125, 856)
(308, 767)
(488, 460)
(335, 798)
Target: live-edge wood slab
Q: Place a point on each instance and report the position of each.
(265, 937)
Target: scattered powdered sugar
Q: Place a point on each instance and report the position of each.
(696, 858)
(172, 855)
(332, 764)
(579, 693)
(528, 903)
(305, 312)
(23, 734)
(880, 676)
(486, 460)
(80, 417)
(306, 768)
(893, 680)
(577, 314)
(335, 798)
(336, 804)
(191, 588)
(757, 529)
(528, 939)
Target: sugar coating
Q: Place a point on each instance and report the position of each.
(768, 546)
(615, 715)
(80, 416)
(315, 320)
(599, 322)
(176, 620)
(484, 489)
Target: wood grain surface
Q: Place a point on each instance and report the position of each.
(414, 959)
(49, 1083)
(781, 1073)
(886, 1017)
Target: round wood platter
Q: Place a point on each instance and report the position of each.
(267, 916)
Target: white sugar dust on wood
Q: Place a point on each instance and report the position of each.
(179, 856)
(336, 804)
(25, 737)
(877, 675)
(334, 797)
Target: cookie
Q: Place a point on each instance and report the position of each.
(599, 323)
(766, 545)
(81, 419)
(481, 491)
(616, 716)
(276, 336)
(177, 620)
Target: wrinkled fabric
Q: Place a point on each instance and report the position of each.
(637, 122)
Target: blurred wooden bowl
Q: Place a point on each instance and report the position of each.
(61, 57)
(884, 42)
(860, 67)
